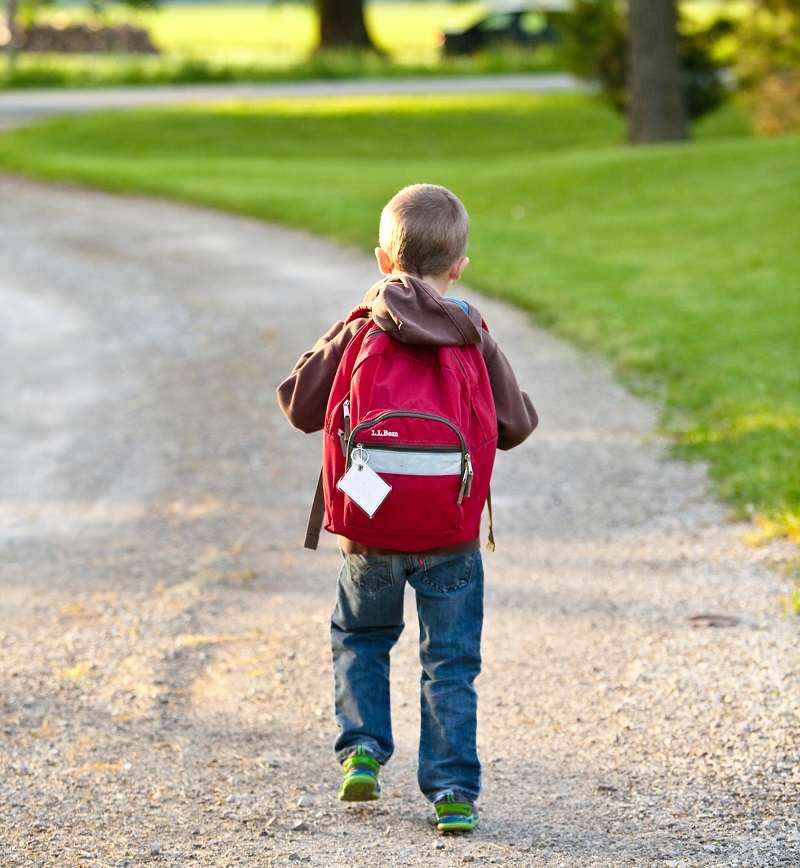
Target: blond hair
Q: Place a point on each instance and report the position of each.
(424, 230)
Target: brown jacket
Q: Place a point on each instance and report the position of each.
(414, 313)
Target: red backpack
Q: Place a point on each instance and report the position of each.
(423, 419)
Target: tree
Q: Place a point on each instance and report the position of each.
(342, 25)
(598, 49)
(657, 106)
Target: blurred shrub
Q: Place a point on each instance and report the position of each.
(596, 35)
(595, 42)
(768, 65)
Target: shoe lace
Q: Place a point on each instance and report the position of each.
(453, 803)
(361, 761)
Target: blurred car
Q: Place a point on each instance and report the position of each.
(528, 26)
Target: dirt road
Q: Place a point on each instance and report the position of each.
(164, 672)
(25, 105)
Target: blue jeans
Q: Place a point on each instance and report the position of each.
(366, 624)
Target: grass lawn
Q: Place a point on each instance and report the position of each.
(253, 42)
(679, 262)
(290, 29)
(284, 30)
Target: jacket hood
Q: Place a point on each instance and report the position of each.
(414, 313)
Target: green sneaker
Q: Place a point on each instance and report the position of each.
(455, 813)
(360, 782)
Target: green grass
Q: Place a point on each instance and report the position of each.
(679, 262)
(79, 71)
(288, 29)
(239, 41)
(254, 42)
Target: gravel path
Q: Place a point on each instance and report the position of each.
(164, 671)
(22, 106)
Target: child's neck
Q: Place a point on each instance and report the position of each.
(440, 282)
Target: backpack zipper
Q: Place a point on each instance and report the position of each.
(344, 431)
(467, 472)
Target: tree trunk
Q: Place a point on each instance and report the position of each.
(341, 25)
(657, 107)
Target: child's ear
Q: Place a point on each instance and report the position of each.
(384, 263)
(457, 268)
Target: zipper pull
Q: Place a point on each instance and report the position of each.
(344, 432)
(466, 479)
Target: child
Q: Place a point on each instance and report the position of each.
(423, 239)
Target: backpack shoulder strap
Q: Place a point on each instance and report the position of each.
(359, 312)
(315, 517)
(317, 514)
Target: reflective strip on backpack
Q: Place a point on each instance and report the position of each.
(409, 463)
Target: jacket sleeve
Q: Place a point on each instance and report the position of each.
(516, 416)
(303, 395)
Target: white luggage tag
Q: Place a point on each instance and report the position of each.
(362, 485)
